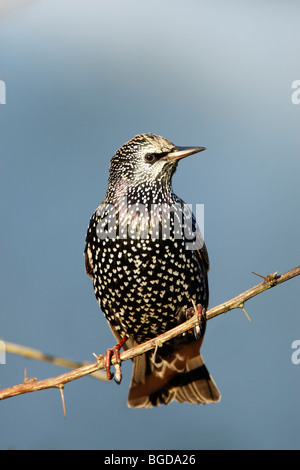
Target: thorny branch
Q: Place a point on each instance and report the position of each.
(31, 353)
(32, 385)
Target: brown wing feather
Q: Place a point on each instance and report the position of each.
(88, 264)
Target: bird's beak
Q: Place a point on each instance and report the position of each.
(181, 152)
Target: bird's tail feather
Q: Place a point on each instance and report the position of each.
(182, 376)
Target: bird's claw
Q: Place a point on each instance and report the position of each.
(200, 321)
(115, 351)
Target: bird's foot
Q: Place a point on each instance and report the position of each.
(200, 321)
(115, 351)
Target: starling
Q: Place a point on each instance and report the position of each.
(149, 264)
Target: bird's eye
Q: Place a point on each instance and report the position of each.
(150, 157)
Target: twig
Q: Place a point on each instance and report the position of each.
(31, 353)
(237, 302)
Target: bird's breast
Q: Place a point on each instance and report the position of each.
(143, 273)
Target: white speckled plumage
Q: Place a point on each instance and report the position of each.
(144, 284)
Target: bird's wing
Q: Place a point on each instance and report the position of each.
(88, 262)
(90, 239)
(202, 256)
(199, 246)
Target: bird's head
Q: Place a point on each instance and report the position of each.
(146, 160)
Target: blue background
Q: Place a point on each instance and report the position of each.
(81, 79)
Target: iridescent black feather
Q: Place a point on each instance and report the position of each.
(145, 274)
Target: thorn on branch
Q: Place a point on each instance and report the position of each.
(242, 308)
(28, 380)
(61, 388)
(272, 278)
(99, 358)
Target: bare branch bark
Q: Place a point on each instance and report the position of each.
(31, 353)
(32, 385)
